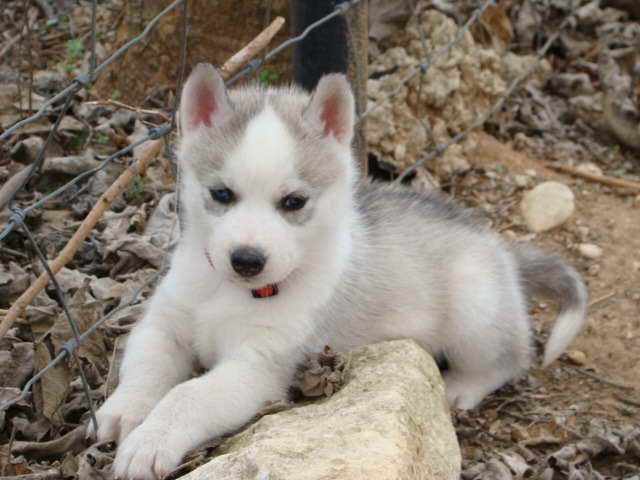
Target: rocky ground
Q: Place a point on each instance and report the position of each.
(568, 139)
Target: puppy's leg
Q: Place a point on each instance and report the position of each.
(488, 335)
(202, 408)
(155, 360)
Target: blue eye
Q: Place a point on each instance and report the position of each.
(222, 195)
(293, 202)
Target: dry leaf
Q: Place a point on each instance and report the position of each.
(95, 464)
(13, 280)
(85, 311)
(27, 428)
(52, 389)
(323, 375)
(16, 364)
(73, 441)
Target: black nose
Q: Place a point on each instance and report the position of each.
(247, 261)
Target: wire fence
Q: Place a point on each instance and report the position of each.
(84, 81)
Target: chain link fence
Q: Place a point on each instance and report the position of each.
(84, 81)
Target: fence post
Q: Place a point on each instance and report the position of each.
(340, 45)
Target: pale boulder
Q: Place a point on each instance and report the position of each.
(389, 421)
(546, 206)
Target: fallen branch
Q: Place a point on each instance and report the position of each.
(10, 186)
(153, 148)
(235, 63)
(115, 103)
(610, 181)
(67, 253)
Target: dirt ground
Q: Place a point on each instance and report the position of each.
(599, 378)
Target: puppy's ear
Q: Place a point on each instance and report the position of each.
(204, 99)
(332, 108)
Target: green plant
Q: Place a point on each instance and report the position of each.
(74, 50)
(135, 191)
(101, 137)
(79, 139)
(265, 77)
(116, 94)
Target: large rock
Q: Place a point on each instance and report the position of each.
(546, 206)
(390, 421)
(433, 107)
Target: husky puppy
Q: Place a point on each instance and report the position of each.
(284, 250)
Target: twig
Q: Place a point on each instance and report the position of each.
(116, 189)
(115, 103)
(601, 299)
(10, 44)
(627, 400)
(84, 229)
(11, 440)
(610, 181)
(240, 59)
(602, 380)
(10, 186)
(11, 251)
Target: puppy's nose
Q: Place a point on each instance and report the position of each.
(247, 261)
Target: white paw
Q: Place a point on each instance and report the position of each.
(148, 453)
(464, 392)
(121, 413)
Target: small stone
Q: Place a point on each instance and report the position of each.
(577, 357)
(590, 250)
(594, 270)
(400, 152)
(636, 265)
(548, 205)
(522, 181)
(451, 164)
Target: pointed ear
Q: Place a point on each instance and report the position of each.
(204, 98)
(332, 107)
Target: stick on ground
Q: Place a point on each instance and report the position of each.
(72, 246)
(610, 181)
(232, 66)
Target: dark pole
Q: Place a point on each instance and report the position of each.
(339, 45)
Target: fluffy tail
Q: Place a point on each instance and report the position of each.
(546, 274)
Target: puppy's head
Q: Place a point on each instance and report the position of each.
(265, 173)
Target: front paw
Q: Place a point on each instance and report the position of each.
(148, 453)
(121, 413)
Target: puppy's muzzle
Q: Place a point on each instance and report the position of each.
(248, 261)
